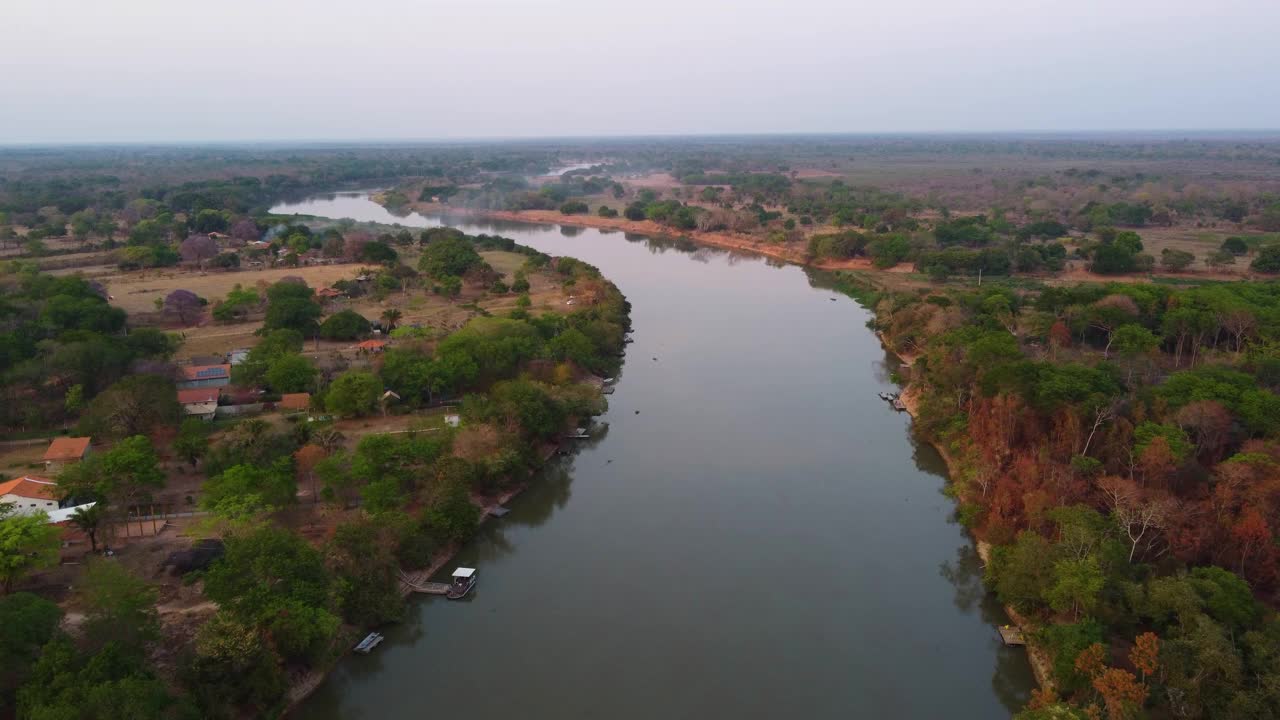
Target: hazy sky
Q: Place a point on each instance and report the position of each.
(174, 70)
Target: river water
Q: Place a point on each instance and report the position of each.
(756, 535)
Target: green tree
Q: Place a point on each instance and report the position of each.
(293, 306)
(123, 475)
(27, 622)
(291, 374)
(1267, 261)
(1176, 260)
(27, 543)
(1235, 246)
(119, 608)
(449, 256)
(354, 393)
(244, 487)
(1076, 586)
(367, 574)
(192, 441)
(274, 579)
(233, 667)
(135, 405)
(344, 325)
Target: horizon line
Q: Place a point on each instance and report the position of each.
(482, 139)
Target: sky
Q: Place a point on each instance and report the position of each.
(246, 70)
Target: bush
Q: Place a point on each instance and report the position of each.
(574, 207)
(607, 212)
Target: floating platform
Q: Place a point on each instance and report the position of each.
(498, 511)
(899, 405)
(1011, 635)
(371, 641)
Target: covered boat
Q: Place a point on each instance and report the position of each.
(463, 580)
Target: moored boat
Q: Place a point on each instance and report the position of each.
(463, 580)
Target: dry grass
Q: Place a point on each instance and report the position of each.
(16, 461)
(137, 292)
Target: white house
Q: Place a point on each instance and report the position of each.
(29, 495)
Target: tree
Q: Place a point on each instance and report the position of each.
(210, 220)
(233, 666)
(272, 578)
(1145, 654)
(1220, 259)
(361, 555)
(1140, 514)
(390, 317)
(344, 325)
(119, 608)
(1077, 584)
(1235, 246)
(1121, 692)
(88, 519)
(1267, 261)
(1113, 259)
(1133, 342)
(449, 256)
(245, 489)
(292, 306)
(27, 623)
(353, 393)
(135, 405)
(185, 304)
(291, 374)
(192, 441)
(245, 230)
(198, 248)
(1176, 260)
(123, 475)
(27, 543)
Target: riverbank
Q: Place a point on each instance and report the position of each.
(1037, 655)
(728, 241)
(307, 683)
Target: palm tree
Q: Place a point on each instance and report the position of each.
(391, 316)
(89, 519)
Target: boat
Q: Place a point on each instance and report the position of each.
(898, 404)
(371, 641)
(463, 580)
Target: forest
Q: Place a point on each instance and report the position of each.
(1116, 445)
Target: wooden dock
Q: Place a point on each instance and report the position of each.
(429, 588)
(1011, 635)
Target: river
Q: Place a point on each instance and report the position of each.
(756, 535)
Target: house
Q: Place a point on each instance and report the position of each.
(204, 376)
(294, 402)
(329, 293)
(371, 346)
(30, 495)
(199, 402)
(65, 451)
(238, 356)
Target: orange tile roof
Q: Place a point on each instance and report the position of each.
(371, 344)
(198, 395)
(30, 487)
(67, 448)
(295, 401)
